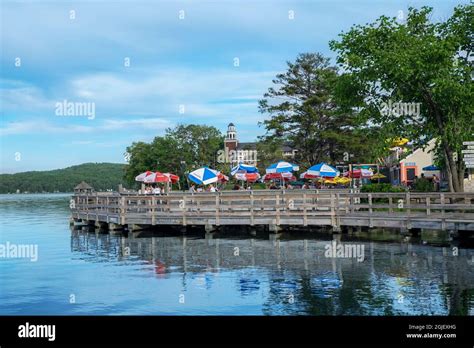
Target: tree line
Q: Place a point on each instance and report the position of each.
(101, 176)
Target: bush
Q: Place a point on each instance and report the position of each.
(423, 185)
(381, 188)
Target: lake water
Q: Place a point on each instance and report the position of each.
(81, 273)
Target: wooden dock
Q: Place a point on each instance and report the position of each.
(278, 208)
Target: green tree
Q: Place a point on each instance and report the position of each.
(180, 150)
(269, 150)
(304, 111)
(414, 61)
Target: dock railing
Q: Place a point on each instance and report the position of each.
(335, 208)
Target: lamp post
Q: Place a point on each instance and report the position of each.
(183, 166)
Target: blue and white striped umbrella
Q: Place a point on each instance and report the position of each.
(282, 167)
(243, 168)
(323, 170)
(204, 176)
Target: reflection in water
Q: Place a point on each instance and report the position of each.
(221, 274)
(295, 277)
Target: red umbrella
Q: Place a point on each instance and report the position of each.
(222, 178)
(143, 175)
(173, 178)
(305, 175)
(156, 177)
(249, 177)
(358, 173)
(287, 176)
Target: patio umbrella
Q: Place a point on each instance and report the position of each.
(250, 177)
(378, 176)
(323, 170)
(221, 177)
(142, 176)
(282, 167)
(359, 173)
(278, 176)
(342, 180)
(431, 168)
(173, 178)
(330, 181)
(243, 168)
(305, 175)
(204, 176)
(156, 177)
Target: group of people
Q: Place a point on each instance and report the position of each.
(210, 188)
(154, 190)
(271, 186)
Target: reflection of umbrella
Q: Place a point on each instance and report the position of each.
(431, 168)
(323, 170)
(204, 176)
(250, 177)
(282, 167)
(142, 176)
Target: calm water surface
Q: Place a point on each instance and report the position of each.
(80, 273)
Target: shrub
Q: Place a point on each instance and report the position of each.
(381, 188)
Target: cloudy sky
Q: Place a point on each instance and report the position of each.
(149, 65)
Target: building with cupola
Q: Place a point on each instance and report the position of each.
(246, 152)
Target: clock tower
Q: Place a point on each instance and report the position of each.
(230, 141)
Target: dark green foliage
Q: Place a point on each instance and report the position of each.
(414, 61)
(381, 188)
(304, 111)
(423, 185)
(194, 145)
(101, 176)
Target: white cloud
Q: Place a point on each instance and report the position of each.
(146, 123)
(44, 127)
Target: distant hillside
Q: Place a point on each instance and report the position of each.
(101, 176)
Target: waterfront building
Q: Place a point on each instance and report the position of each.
(246, 152)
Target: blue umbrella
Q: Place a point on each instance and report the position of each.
(282, 167)
(243, 168)
(204, 176)
(431, 167)
(323, 170)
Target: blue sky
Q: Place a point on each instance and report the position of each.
(173, 62)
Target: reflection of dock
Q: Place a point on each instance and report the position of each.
(277, 209)
(298, 268)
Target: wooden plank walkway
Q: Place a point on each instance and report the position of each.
(335, 208)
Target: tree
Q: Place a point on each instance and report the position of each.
(180, 150)
(417, 63)
(304, 111)
(269, 150)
